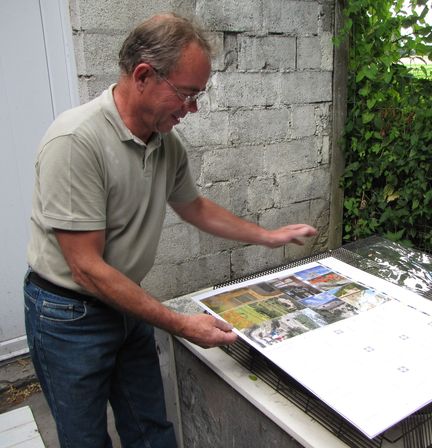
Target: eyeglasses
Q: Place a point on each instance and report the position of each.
(186, 99)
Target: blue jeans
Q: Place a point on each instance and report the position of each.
(87, 354)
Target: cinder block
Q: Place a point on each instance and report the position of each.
(246, 89)
(229, 15)
(78, 43)
(232, 163)
(231, 195)
(315, 52)
(201, 130)
(263, 193)
(306, 87)
(314, 213)
(304, 185)
(295, 252)
(323, 118)
(327, 50)
(171, 217)
(259, 126)
(320, 212)
(231, 51)
(178, 243)
(309, 53)
(216, 40)
(292, 17)
(120, 15)
(296, 155)
(279, 217)
(324, 149)
(303, 121)
(195, 163)
(75, 14)
(266, 53)
(210, 244)
(166, 281)
(251, 259)
(101, 53)
(327, 11)
(94, 85)
(318, 218)
(83, 90)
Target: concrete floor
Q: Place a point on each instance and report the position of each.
(17, 389)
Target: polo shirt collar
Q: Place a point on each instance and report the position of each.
(112, 115)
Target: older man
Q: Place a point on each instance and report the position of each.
(104, 173)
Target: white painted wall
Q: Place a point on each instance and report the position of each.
(37, 81)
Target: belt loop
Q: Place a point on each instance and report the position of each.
(27, 275)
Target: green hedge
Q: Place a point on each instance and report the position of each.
(388, 137)
(422, 71)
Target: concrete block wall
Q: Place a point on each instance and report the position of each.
(262, 146)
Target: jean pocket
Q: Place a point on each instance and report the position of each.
(29, 301)
(62, 312)
(29, 313)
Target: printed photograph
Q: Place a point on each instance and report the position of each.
(360, 297)
(243, 296)
(285, 327)
(329, 281)
(330, 307)
(294, 287)
(311, 273)
(255, 313)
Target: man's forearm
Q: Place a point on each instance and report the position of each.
(114, 288)
(120, 292)
(214, 219)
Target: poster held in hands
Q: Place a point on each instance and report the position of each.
(359, 343)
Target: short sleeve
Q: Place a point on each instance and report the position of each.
(71, 185)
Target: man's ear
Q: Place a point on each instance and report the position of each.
(141, 74)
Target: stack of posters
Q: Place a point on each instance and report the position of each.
(359, 343)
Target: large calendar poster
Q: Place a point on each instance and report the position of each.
(360, 344)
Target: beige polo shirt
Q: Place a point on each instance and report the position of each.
(93, 174)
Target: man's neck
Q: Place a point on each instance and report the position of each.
(123, 100)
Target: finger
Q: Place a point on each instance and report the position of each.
(230, 337)
(225, 338)
(222, 325)
(312, 231)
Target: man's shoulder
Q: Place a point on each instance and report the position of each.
(75, 121)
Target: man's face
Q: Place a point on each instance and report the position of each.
(166, 97)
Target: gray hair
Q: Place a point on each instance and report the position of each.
(159, 42)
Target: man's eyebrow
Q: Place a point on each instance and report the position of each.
(191, 89)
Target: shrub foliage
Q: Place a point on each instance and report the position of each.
(388, 137)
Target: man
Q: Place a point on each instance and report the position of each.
(104, 173)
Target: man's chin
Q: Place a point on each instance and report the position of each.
(166, 127)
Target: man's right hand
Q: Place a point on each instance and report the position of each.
(207, 331)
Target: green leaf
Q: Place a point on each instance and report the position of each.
(394, 236)
(371, 103)
(388, 76)
(364, 91)
(367, 117)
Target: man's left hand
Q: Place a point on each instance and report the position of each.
(293, 233)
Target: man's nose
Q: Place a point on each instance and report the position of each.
(191, 107)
